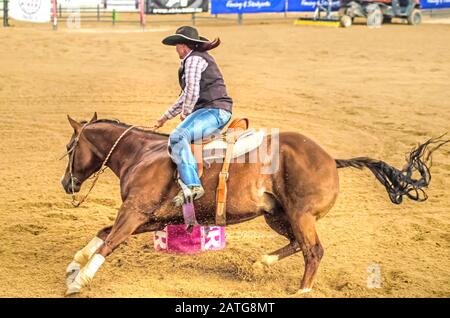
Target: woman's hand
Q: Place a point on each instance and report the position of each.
(160, 122)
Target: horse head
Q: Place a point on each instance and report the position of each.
(82, 161)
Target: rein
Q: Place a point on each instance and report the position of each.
(97, 174)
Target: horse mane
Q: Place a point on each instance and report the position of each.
(117, 122)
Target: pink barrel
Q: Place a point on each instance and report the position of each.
(175, 239)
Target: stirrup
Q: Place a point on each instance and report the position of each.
(185, 195)
(178, 200)
(182, 198)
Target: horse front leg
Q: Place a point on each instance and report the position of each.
(81, 258)
(84, 255)
(129, 219)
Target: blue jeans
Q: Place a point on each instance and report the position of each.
(198, 125)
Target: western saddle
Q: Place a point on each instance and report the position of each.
(230, 134)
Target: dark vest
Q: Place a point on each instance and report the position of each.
(213, 93)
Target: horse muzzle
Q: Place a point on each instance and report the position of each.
(71, 185)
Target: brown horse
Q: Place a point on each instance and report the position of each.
(301, 190)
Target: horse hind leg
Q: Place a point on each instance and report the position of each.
(273, 257)
(304, 226)
(279, 223)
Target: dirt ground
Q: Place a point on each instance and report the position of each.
(356, 91)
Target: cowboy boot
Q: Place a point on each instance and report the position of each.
(197, 193)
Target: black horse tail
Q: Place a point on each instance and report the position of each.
(399, 183)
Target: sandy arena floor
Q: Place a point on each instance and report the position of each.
(356, 91)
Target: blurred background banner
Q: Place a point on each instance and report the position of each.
(259, 6)
(308, 5)
(434, 4)
(30, 10)
(247, 6)
(176, 6)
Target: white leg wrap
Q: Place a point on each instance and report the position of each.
(269, 259)
(86, 274)
(71, 272)
(72, 267)
(83, 255)
(92, 267)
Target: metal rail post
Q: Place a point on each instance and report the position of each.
(5, 13)
(239, 18)
(142, 13)
(54, 14)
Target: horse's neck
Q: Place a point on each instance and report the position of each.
(105, 136)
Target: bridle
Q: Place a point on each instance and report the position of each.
(96, 175)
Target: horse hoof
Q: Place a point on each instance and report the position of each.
(304, 291)
(71, 272)
(73, 289)
(269, 260)
(258, 266)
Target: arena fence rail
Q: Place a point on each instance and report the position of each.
(106, 11)
(436, 13)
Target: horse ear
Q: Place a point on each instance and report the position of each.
(94, 118)
(75, 125)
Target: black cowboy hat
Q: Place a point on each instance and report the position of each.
(185, 35)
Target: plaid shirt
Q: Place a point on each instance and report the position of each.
(193, 69)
